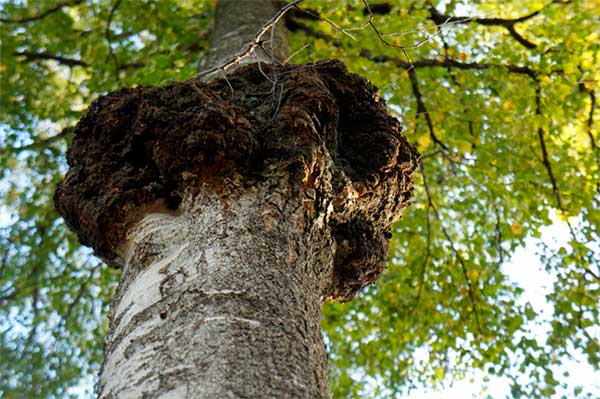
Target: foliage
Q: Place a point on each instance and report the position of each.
(501, 104)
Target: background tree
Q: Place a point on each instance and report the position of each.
(500, 97)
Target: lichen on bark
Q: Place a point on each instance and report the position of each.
(344, 155)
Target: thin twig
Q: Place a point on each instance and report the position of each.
(508, 24)
(552, 178)
(34, 56)
(43, 14)
(288, 59)
(80, 293)
(427, 256)
(107, 34)
(590, 120)
(449, 62)
(44, 143)
(463, 266)
(249, 48)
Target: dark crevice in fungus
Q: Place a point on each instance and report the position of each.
(140, 149)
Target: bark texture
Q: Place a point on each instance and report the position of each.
(215, 302)
(235, 208)
(236, 24)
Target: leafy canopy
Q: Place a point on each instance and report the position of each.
(499, 96)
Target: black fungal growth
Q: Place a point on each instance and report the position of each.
(141, 148)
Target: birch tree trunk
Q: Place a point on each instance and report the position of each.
(235, 208)
(214, 302)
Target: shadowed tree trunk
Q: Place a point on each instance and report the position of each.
(235, 207)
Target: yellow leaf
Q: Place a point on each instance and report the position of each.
(516, 228)
(592, 37)
(2, 68)
(508, 105)
(424, 141)
(473, 275)
(463, 56)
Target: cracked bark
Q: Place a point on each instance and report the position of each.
(235, 208)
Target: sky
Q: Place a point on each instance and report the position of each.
(527, 271)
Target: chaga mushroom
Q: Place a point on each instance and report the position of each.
(142, 148)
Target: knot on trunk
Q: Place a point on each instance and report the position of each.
(138, 150)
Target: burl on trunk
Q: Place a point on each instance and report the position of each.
(235, 208)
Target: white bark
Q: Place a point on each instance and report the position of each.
(222, 300)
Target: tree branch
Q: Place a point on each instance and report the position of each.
(32, 56)
(590, 121)
(509, 24)
(387, 43)
(80, 294)
(43, 143)
(293, 25)
(448, 62)
(59, 6)
(421, 108)
(552, 178)
(427, 255)
(463, 266)
(545, 157)
(45, 56)
(107, 34)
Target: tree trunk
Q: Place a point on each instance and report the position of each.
(235, 25)
(215, 302)
(235, 208)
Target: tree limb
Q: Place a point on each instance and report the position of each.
(59, 6)
(43, 143)
(463, 266)
(80, 294)
(45, 56)
(293, 25)
(421, 108)
(449, 62)
(590, 121)
(107, 35)
(509, 24)
(427, 255)
(552, 178)
(32, 56)
(387, 43)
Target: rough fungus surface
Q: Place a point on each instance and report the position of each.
(139, 149)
